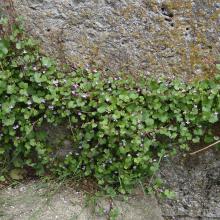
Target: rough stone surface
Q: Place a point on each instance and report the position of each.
(59, 138)
(46, 201)
(196, 182)
(157, 37)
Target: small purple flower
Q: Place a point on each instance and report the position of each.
(84, 95)
(73, 93)
(55, 82)
(75, 86)
(15, 127)
(51, 107)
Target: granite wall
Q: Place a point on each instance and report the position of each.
(161, 38)
(178, 38)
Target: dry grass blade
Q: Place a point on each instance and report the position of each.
(205, 148)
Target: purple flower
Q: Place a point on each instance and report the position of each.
(51, 107)
(84, 95)
(73, 93)
(15, 127)
(75, 86)
(55, 82)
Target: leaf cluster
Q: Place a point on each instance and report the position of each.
(120, 127)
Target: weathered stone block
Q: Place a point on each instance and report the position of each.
(160, 38)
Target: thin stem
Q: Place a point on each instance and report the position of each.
(205, 148)
(71, 128)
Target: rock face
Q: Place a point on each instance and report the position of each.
(171, 38)
(196, 182)
(160, 38)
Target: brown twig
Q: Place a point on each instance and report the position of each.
(205, 148)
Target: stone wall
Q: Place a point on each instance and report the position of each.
(178, 38)
(196, 183)
(161, 38)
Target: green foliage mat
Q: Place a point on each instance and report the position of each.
(120, 127)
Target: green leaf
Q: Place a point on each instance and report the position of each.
(101, 109)
(2, 179)
(18, 45)
(3, 86)
(11, 89)
(37, 99)
(163, 118)
(8, 121)
(213, 118)
(46, 62)
(4, 20)
(149, 121)
(133, 95)
(37, 77)
(3, 48)
(169, 194)
(2, 150)
(71, 104)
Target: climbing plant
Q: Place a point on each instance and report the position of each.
(121, 128)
